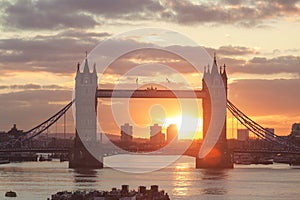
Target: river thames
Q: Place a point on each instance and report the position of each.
(38, 180)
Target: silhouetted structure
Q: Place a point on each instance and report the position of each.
(242, 134)
(270, 134)
(219, 156)
(156, 136)
(295, 133)
(86, 125)
(12, 134)
(126, 133)
(86, 93)
(172, 133)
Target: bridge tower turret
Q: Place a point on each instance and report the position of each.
(86, 83)
(219, 156)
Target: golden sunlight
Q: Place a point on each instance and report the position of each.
(188, 126)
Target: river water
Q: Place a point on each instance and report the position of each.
(38, 180)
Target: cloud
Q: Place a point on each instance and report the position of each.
(59, 53)
(236, 50)
(30, 86)
(153, 58)
(60, 14)
(27, 14)
(263, 65)
(53, 53)
(250, 13)
(229, 51)
(30, 107)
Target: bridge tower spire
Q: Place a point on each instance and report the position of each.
(86, 119)
(219, 156)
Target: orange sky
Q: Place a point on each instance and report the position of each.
(40, 48)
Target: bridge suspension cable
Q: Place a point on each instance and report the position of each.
(28, 135)
(257, 129)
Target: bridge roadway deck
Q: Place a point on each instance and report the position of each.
(151, 93)
(36, 150)
(66, 150)
(265, 151)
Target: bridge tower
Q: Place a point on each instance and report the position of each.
(86, 84)
(219, 156)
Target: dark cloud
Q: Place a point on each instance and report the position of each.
(245, 13)
(30, 107)
(227, 55)
(57, 14)
(235, 50)
(54, 53)
(153, 56)
(28, 14)
(82, 35)
(59, 53)
(31, 86)
(32, 96)
(233, 2)
(263, 65)
(229, 50)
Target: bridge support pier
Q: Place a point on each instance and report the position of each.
(216, 159)
(80, 157)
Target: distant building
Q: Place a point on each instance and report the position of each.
(3, 136)
(126, 133)
(13, 133)
(295, 134)
(156, 136)
(242, 134)
(172, 133)
(270, 133)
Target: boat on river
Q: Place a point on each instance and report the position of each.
(295, 163)
(11, 194)
(4, 161)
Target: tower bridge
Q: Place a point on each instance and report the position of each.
(87, 92)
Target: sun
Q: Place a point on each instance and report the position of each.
(189, 127)
(173, 120)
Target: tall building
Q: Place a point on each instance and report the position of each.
(270, 133)
(172, 133)
(126, 133)
(295, 134)
(242, 134)
(296, 129)
(156, 136)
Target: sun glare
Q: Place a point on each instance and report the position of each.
(189, 127)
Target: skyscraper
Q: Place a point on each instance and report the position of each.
(126, 133)
(156, 136)
(172, 133)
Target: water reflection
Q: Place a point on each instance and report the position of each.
(214, 174)
(182, 179)
(85, 177)
(214, 182)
